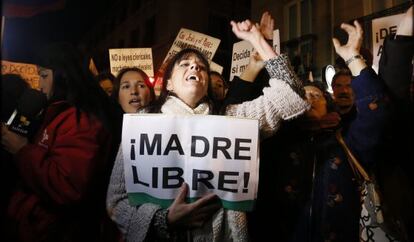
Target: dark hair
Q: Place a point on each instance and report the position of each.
(117, 82)
(73, 82)
(341, 72)
(12, 87)
(330, 105)
(225, 82)
(183, 54)
(105, 76)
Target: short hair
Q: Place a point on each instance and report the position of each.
(341, 72)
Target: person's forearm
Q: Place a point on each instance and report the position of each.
(356, 66)
(250, 73)
(264, 49)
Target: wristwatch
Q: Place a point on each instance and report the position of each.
(347, 62)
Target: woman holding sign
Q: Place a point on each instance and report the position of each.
(184, 92)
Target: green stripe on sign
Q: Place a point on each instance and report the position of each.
(140, 198)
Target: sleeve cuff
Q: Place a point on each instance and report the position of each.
(160, 224)
(279, 68)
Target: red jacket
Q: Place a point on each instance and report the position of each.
(62, 178)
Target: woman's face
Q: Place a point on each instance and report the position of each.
(46, 81)
(189, 80)
(133, 92)
(107, 86)
(217, 85)
(318, 103)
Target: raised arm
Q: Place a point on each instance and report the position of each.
(365, 131)
(350, 52)
(246, 30)
(283, 99)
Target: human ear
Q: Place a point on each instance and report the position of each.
(169, 85)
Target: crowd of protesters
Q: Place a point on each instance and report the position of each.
(66, 180)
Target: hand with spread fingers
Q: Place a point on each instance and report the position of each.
(350, 52)
(191, 215)
(246, 30)
(353, 46)
(267, 25)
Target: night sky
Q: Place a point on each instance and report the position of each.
(23, 35)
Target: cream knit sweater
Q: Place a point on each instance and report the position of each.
(279, 102)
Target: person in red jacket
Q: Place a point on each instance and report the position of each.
(63, 171)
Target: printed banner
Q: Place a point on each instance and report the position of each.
(381, 28)
(210, 153)
(135, 57)
(27, 71)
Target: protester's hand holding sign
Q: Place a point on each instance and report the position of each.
(191, 215)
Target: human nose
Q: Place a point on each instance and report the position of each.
(195, 66)
(134, 91)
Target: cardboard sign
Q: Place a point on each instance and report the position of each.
(381, 28)
(210, 153)
(240, 58)
(191, 39)
(242, 51)
(27, 71)
(276, 41)
(216, 67)
(135, 57)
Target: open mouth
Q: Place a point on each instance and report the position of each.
(192, 77)
(135, 102)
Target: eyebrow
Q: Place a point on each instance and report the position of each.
(125, 81)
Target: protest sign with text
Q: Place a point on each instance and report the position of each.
(381, 28)
(27, 71)
(135, 57)
(210, 153)
(240, 58)
(191, 39)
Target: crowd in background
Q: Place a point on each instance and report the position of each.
(64, 179)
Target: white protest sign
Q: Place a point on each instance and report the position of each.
(381, 28)
(135, 57)
(216, 67)
(210, 153)
(240, 58)
(276, 41)
(191, 39)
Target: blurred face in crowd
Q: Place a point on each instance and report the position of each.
(133, 92)
(318, 103)
(343, 93)
(46, 81)
(107, 86)
(217, 86)
(189, 80)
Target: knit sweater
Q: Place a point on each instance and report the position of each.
(279, 102)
